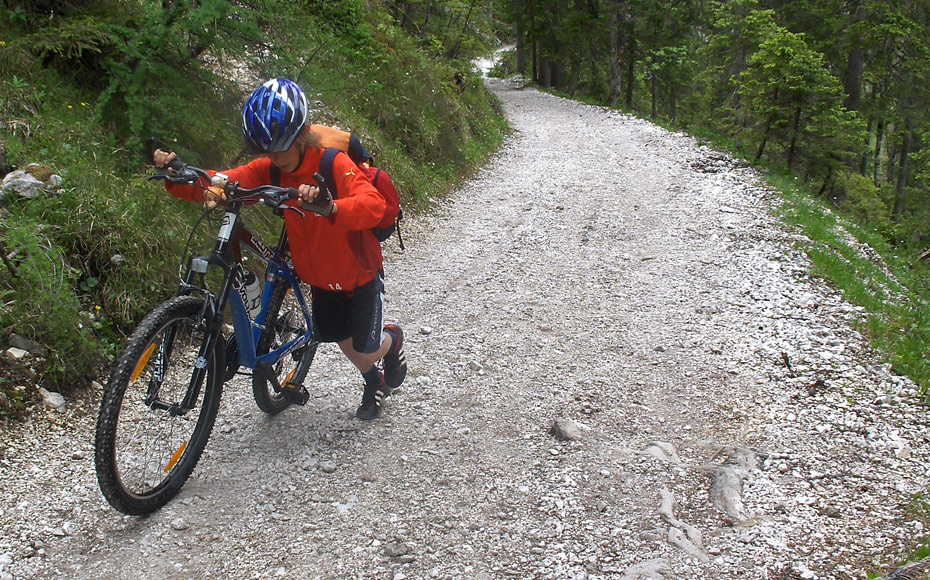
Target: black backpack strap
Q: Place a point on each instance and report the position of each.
(274, 174)
(400, 238)
(326, 170)
(357, 152)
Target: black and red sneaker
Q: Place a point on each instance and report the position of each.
(372, 398)
(395, 362)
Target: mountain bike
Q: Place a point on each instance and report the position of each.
(163, 393)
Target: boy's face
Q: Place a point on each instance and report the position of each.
(286, 161)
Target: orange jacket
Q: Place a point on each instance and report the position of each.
(334, 253)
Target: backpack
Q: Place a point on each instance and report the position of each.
(393, 213)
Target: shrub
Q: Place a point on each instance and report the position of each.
(864, 202)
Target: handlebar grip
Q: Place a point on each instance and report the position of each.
(319, 206)
(323, 204)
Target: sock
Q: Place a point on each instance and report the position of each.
(373, 376)
(393, 336)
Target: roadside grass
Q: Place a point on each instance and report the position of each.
(857, 261)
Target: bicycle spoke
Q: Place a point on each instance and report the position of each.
(150, 441)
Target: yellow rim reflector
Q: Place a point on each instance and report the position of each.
(144, 360)
(289, 377)
(174, 458)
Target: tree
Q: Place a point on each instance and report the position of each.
(734, 34)
(795, 100)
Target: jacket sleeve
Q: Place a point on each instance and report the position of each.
(361, 207)
(251, 175)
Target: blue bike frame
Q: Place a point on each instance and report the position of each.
(227, 254)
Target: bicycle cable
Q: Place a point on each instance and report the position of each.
(185, 255)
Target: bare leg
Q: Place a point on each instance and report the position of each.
(364, 361)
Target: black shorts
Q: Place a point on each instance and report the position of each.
(358, 314)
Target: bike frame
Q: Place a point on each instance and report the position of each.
(227, 254)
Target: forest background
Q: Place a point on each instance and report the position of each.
(828, 97)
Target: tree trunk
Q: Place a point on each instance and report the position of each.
(853, 81)
(630, 70)
(559, 74)
(545, 73)
(535, 47)
(521, 47)
(864, 158)
(535, 56)
(826, 181)
(766, 132)
(426, 20)
(765, 139)
(854, 64)
(900, 192)
(877, 160)
(652, 89)
(400, 15)
(616, 57)
(794, 136)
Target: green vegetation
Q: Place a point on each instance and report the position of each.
(886, 284)
(84, 83)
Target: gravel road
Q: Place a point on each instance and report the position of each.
(620, 368)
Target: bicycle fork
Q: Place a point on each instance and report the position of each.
(207, 319)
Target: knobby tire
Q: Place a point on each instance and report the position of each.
(144, 454)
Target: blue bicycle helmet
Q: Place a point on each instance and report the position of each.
(274, 116)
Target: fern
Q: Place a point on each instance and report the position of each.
(70, 39)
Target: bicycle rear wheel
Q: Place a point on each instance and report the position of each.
(147, 444)
(283, 322)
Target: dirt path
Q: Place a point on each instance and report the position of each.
(600, 271)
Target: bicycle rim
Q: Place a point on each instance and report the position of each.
(147, 446)
(283, 323)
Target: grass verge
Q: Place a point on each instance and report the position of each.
(885, 282)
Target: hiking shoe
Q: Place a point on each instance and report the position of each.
(395, 362)
(372, 398)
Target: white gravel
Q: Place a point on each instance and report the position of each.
(597, 331)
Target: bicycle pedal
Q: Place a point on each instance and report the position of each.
(295, 394)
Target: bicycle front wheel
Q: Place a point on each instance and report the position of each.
(149, 437)
(283, 322)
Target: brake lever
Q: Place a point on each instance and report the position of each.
(186, 178)
(299, 211)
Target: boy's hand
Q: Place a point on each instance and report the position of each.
(322, 203)
(212, 196)
(163, 158)
(308, 192)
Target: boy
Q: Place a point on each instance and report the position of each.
(336, 255)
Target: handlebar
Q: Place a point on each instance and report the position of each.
(271, 195)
